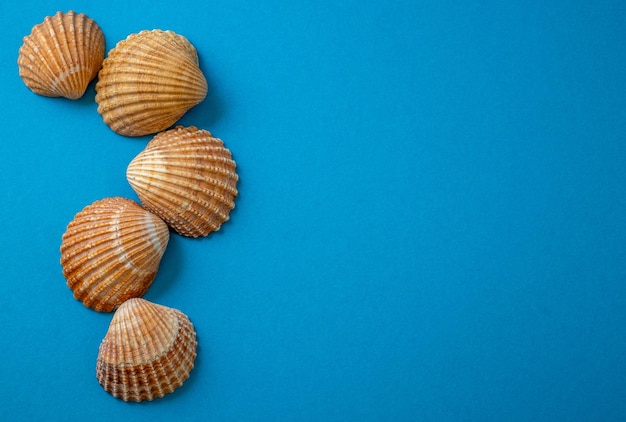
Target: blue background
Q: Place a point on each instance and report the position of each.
(431, 222)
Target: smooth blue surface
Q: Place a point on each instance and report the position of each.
(431, 222)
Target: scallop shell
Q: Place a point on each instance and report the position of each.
(111, 252)
(148, 81)
(148, 351)
(62, 55)
(187, 177)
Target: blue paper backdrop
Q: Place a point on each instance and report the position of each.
(431, 222)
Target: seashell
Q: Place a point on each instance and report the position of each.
(187, 177)
(148, 351)
(62, 55)
(111, 252)
(148, 81)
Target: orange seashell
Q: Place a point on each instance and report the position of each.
(148, 81)
(62, 55)
(148, 351)
(187, 177)
(111, 252)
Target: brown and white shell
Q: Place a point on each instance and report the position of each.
(111, 252)
(187, 177)
(148, 351)
(62, 55)
(148, 81)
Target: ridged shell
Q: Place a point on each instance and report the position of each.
(187, 177)
(111, 252)
(148, 81)
(148, 351)
(62, 55)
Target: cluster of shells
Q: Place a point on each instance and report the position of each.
(185, 180)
